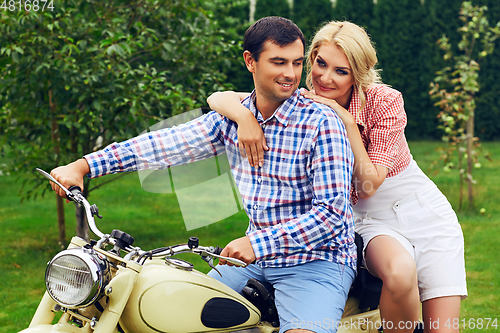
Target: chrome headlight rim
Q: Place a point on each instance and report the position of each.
(97, 267)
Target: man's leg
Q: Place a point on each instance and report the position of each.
(310, 296)
(236, 277)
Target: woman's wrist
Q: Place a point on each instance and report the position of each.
(350, 123)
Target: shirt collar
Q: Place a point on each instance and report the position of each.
(282, 113)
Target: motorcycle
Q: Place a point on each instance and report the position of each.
(110, 286)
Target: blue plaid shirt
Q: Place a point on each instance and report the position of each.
(298, 202)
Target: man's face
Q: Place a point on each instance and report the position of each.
(276, 74)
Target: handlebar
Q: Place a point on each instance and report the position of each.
(75, 190)
(203, 251)
(74, 193)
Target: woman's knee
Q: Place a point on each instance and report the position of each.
(399, 276)
(389, 260)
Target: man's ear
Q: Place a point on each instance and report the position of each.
(249, 61)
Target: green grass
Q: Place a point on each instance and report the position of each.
(29, 234)
(481, 232)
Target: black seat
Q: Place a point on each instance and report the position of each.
(366, 287)
(260, 296)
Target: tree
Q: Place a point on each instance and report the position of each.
(486, 123)
(309, 15)
(84, 74)
(360, 12)
(232, 16)
(272, 8)
(455, 88)
(398, 32)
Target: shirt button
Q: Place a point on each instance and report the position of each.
(263, 125)
(255, 207)
(259, 180)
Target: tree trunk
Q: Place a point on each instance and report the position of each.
(57, 150)
(470, 138)
(461, 175)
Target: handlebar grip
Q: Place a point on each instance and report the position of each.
(217, 250)
(75, 190)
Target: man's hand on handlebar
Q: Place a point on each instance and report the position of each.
(70, 175)
(241, 249)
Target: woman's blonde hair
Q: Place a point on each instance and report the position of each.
(358, 48)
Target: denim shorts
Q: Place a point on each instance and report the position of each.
(309, 296)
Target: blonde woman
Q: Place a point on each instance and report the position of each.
(413, 241)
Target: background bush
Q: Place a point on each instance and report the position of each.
(405, 33)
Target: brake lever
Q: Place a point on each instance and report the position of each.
(234, 261)
(210, 261)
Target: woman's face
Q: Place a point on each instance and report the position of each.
(332, 75)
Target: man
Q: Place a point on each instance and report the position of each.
(301, 230)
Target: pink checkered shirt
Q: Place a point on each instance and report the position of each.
(381, 123)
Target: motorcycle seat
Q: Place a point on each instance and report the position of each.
(263, 299)
(366, 287)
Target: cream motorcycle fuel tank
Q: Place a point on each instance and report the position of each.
(170, 296)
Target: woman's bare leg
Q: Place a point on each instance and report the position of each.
(387, 259)
(441, 314)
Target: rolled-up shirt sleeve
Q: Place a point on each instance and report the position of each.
(385, 136)
(196, 140)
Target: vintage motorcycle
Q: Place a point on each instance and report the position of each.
(110, 286)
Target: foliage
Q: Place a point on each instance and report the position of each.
(90, 73)
(309, 15)
(455, 88)
(399, 29)
(487, 125)
(405, 32)
(232, 16)
(272, 8)
(361, 12)
(86, 73)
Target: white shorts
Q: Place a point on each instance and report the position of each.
(426, 225)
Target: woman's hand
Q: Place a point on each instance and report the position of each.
(345, 115)
(252, 142)
(367, 177)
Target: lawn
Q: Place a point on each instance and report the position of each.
(29, 234)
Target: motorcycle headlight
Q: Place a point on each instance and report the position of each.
(76, 277)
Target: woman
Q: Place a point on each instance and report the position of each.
(413, 240)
